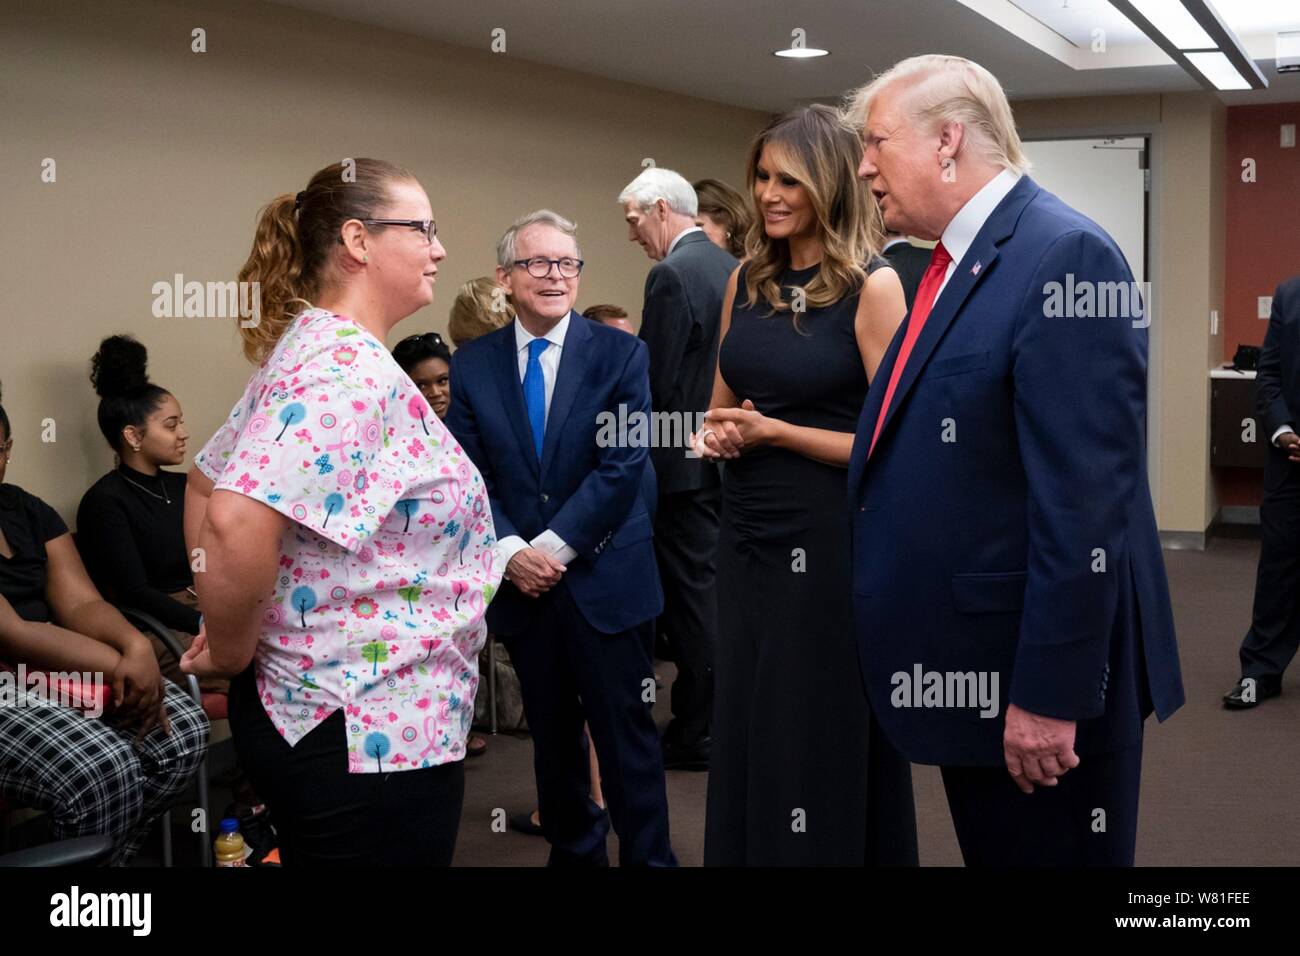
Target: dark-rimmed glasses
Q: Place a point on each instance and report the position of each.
(426, 226)
(539, 267)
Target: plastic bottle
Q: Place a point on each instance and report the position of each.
(230, 845)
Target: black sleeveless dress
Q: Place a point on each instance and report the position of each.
(800, 772)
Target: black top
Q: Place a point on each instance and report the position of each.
(28, 523)
(910, 262)
(131, 534)
(811, 375)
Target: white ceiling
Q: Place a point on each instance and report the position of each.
(722, 49)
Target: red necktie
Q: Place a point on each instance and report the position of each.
(926, 293)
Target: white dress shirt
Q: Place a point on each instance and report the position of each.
(548, 540)
(678, 238)
(970, 219)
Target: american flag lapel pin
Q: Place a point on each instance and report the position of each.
(975, 269)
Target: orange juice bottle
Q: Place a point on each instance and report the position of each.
(230, 845)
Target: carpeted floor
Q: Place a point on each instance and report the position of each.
(1219, 787)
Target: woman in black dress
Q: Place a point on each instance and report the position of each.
(801, 774)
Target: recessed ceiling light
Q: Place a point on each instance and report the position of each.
(801, 52)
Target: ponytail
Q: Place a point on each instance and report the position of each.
(296, 241)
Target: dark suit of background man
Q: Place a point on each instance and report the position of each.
(679, 324)
(1001, 521)
(573, 513)
(1275, 624)
(909, 261)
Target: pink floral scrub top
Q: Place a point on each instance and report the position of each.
(388, 565)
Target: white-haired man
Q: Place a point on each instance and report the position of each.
(679, 324)
(1014, 618)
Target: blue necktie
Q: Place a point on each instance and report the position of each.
(535, 392)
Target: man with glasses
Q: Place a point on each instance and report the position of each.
(573, 512)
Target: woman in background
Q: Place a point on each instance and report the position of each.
(480, 307)
(348, 541)
(723, 215)
(130, 525)
(794, 741)
(93, 773)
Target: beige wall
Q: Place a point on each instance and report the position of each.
(1187, 271)
(164, 156)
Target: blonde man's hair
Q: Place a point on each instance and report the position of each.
(478, 309)
(950, 89)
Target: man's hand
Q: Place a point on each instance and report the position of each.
(1289, 442)
(534, 572)
(1037, 749)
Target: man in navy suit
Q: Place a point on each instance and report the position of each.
(573, 508)
(1274, 633)
(1012, 610)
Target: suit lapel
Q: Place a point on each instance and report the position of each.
(972, 269)
(512, 392)
(568, 382)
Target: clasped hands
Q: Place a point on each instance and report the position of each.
(729, 431)
(533, 571)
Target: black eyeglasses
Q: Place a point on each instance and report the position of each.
(426, 226)
(539, 267)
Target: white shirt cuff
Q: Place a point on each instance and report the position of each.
(1281, 431)
(508, 546)
(554, 545)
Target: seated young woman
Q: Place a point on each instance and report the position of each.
(130, 525)
(112, 774)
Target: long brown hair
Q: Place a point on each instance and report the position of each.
(819, 151)
(295, 241)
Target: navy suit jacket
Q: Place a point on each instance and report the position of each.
(598, 500)
(1004, 523)
(1278, 380)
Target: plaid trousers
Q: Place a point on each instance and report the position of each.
(91, 776)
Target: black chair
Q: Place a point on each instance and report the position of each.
(78, 851)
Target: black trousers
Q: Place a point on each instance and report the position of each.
(1274, 631)
(325, 816)
(1088, 819)
(570, 673)
(686, 545)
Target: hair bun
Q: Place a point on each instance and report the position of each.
(119, 367)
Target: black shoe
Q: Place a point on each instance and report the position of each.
(523, 823)
(694, 757)
(1264, 689)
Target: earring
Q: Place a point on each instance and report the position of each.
(365, 258)
(135, 447)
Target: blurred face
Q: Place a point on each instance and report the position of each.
(619, 323)
(904, 167)
(648, 228)
(163, 438)
(783, 203)
(403, 262)
(541, 302)
(6, 445)
(715, 229)
(433, 378)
